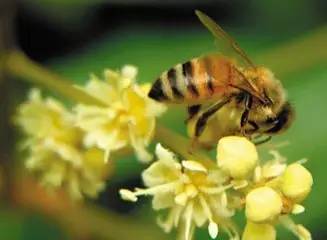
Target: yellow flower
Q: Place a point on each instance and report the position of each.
(59, 165)
(271, 169)
(129, 119)
(56, 153)
(194, 194)
(237, 156)
(274, 194)
(46, 118)
(263, 204)
(296, 182)
(200, 194)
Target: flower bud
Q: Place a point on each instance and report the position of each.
(296, 182)
(263, 204)
(237, 156)
(254, 231)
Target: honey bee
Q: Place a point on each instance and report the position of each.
(247, 99)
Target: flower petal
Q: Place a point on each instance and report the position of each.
(162, 201)
(194, 166)
(167, 157)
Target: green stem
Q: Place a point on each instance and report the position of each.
(20, 66)
(180, 145)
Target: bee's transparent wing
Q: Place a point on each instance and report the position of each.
(227, 42)
(229, 45)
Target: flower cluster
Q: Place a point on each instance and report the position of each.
(56, 153)
(127, 120)
(68, 148)
(200, 193)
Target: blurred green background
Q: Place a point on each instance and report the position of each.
(77, 37)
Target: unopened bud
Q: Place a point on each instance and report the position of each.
(263, 205)
(237, 156)
(296, 182)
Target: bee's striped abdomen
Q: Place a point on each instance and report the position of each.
(188, 78)
(175, 85)
(157, 92)
(174, 80)
(196, 80)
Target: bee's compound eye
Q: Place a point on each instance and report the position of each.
(272, 121)
(282, 121)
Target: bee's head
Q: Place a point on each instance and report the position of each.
(282, 121)
(270, 86)
(269, 90)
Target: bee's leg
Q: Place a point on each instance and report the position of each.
(254, 125)
(264, 140)
(204, 117)
(245, 114)
(193, 145)
(254, 129)
(256, 140)
(192, 111)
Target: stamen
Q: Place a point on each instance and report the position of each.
(297, 229)
(277, 156)
(188, 220)
(167, 225)
(231, 231)
(223, 199)
(274, 170)
(239, 184)
(213, 230)
(127, 195)
(302, 161)
(179, 211)
(167, 187)
(194, 166)
(297, 209)
(206, 208)
(215, 190)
